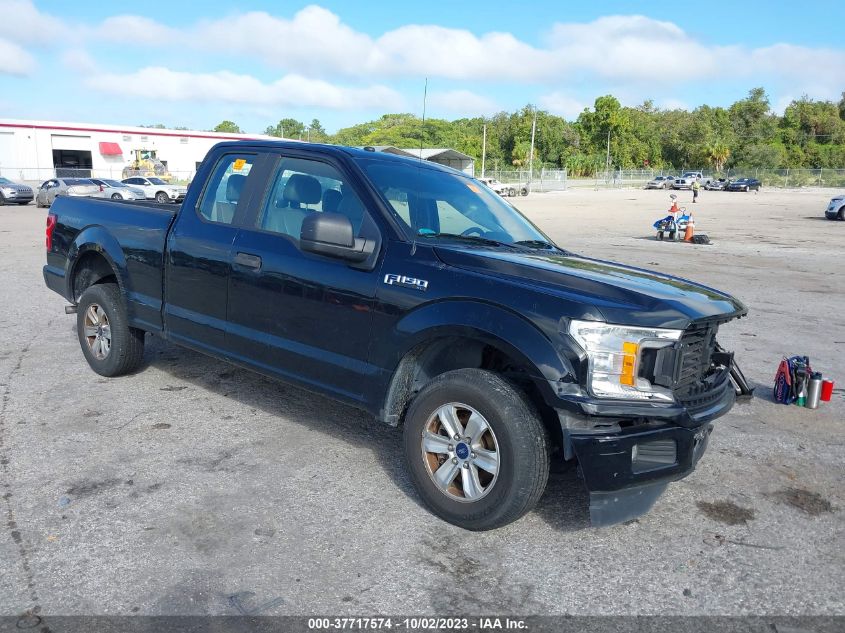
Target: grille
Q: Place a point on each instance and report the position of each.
(697, 344)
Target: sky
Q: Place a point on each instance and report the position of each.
(343, 62)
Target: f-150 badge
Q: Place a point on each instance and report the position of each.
(408, 282)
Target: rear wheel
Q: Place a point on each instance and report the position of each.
(162, 198)
(476, 449)
(511, 192)
(110, 346)
(116, 196)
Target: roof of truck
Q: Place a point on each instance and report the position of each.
(355, 152)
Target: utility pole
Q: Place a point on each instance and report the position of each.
(531, 154)
(308, 130)
(607, 160)
(483, 149)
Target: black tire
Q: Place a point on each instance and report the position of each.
(2, 200)
(841, 214)
(511, 192)
(116, 196)
(522, 447)
(162, 197)
(126, 349)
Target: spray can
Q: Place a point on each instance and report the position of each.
(815, 391)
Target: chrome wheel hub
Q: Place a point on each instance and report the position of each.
(460, 452)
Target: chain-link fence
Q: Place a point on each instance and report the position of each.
(628, 178)
(36, 175)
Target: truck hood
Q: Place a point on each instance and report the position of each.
(621, 294)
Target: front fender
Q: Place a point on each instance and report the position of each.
(545, 360)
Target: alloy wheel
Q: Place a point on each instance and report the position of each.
(97, 331)
(460, 452)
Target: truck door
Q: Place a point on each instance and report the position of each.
(297, 315)
(198, 261)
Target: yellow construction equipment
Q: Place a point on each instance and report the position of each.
(146, 165)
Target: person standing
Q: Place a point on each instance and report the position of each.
(696, 187)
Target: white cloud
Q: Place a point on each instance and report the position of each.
(79, 60)
(630, 49)
(462, 102)
(562, 104)
(14, 60)
(24, 23)
(290, 90)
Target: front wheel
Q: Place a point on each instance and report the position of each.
(511, 192)
(162, 198)
(476, 449)
(110, 346)
(116, 196)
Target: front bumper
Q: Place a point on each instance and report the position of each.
(625, 472)
(628, 452)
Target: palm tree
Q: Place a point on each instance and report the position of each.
(718, 154)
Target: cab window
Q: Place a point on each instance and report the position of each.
(301, 187)
(225, 186)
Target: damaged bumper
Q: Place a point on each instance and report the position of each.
(628, 457)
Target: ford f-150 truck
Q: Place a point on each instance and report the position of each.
(409, 290)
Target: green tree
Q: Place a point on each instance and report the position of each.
(286, 128)
(229, 127)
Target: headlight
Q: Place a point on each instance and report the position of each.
(7, 191)
(614, 353)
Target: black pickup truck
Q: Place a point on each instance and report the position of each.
(414, 292)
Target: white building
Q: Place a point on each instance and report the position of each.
(36, 150)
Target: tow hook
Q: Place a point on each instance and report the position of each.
(70, 309)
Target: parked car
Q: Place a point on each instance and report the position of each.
(717, 184)
(836, 209)
(56, 187)
(404, 289)
(117, 190)
(157, 189)
(505, 190)
(13, 193)
(660, 182)
(744, 184)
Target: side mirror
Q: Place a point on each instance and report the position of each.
(330, 234)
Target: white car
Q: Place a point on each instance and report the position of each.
(116, 190)
(495, 185)
(157, 189)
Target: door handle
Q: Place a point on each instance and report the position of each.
(248, 261)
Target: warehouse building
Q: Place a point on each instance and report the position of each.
(35, 151)
(38, 150)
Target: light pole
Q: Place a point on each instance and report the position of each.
(531, 153)
(483, 149)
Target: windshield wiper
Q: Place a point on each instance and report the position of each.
(470, 238)
(536, 244)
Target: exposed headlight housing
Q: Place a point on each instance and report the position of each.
(614, 352)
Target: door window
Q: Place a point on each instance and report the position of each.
(225, 186)
(302, 187)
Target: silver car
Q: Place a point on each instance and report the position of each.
(660, 182)
(55, 187)
(13, 193)
(117, 190)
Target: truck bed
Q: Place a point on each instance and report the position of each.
(135, 230)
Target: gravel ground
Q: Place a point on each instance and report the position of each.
(172, 490)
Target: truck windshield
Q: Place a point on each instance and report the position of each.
(437, 205)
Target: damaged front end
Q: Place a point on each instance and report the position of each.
(628, 451)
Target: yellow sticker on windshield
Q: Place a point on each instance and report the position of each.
(472, 187)
(239, 164)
